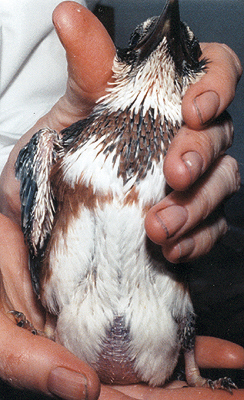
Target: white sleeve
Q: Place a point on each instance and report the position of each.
(32, 67)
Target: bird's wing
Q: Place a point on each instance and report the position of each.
(33, 167)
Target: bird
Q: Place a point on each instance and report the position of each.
(85, 192)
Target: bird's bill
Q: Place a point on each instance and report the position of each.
(168, 25)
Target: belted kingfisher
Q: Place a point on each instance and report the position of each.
(85, 193)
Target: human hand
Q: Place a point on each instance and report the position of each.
(196, 168)
(29, 361)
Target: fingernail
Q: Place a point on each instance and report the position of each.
(194, 164)
(67, 384)
(172, 219)
(184, 248)
(207, 105)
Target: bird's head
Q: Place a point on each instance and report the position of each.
(166, 35)
(160, 62)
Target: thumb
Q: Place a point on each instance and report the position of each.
(89, 48)
(36, 363)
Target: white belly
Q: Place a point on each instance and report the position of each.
(112, 294)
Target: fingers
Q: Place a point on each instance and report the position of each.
(169, 222)
(89, 48)
(36, 363)
(192, 152)
(173, 392)
(208, 98)
(218, 353)
(198, 242)
(197, 145)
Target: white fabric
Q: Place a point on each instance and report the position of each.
(32, 67)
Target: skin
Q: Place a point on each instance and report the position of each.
(34, 362)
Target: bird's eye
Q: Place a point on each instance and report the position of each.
(135, 38)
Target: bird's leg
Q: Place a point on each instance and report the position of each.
(24, 323)
(194, 378)
(193, 375)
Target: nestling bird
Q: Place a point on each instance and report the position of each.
(85, 193)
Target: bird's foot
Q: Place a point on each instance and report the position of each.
(195, 379)
(23, 322)
(221, 383)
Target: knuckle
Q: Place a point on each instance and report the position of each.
(206, 238)
(221, 182)
(223, 51)
(224, 130)
(235, 59)
(220, 136)
(199, 242)
(205, 199)
(215, 139)
(206, 142)
(231, 174)
(214, 232)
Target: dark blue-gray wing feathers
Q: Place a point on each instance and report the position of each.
(33, 168)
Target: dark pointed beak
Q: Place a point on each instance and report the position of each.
(169, 26)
